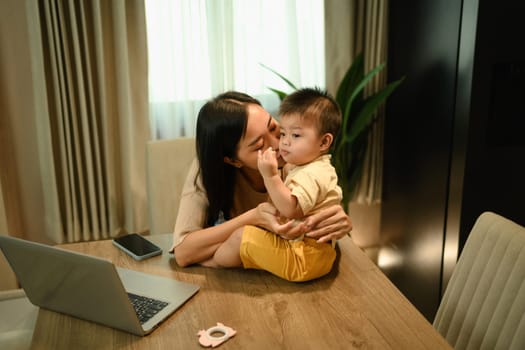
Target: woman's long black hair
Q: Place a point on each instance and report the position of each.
(220, 125)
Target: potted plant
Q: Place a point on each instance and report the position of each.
(359, 113)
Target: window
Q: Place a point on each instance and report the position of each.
(200, 48)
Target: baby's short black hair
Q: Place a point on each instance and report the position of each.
(316, 105)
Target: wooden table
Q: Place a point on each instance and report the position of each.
(355, 306)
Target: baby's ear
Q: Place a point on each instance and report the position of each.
(326, 141)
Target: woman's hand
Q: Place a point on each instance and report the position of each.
(328, 224)
(270, 219)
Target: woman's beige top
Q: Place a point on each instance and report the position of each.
(194, 202)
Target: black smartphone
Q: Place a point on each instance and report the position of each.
(138, 247)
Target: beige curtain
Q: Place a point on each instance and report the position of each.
(352, 27)
(74, 118)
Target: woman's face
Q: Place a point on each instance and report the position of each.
(262, 131)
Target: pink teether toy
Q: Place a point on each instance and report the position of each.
(206, 337)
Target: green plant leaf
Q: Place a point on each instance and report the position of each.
(279, 93)
(290, 84)
(350, 81)
(359, 88)
(357, 91)
(366, 114)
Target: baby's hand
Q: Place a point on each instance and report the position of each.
(267, 162)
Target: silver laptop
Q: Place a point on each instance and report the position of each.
(93, 289)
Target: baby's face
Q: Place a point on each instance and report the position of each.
(300, 142)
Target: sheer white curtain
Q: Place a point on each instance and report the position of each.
(200, 48)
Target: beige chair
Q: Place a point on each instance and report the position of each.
(17, 315)
(167, 163)
(484, 304)
(7, 280)
(17, 320)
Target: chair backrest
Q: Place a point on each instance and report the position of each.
(167, 164)
(484, 304)
(17, 319)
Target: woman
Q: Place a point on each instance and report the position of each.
(227, 192)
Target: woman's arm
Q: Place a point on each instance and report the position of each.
(198, 246)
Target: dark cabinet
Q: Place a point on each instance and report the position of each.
(454, 135)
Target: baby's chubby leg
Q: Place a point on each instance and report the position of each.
(227, 255)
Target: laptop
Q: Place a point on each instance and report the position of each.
(93, 289)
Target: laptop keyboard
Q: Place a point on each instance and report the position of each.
(145, 307)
